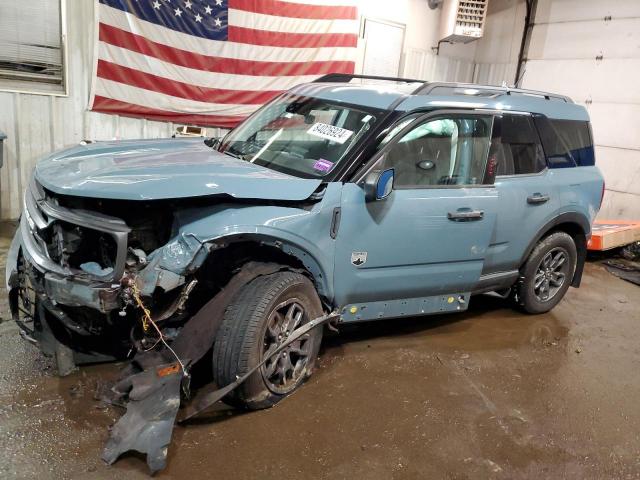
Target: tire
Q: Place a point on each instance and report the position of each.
(250, 326)
(545, 267)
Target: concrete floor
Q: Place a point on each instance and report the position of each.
(489, 393)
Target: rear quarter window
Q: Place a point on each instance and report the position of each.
(577, 136)
(566, 143)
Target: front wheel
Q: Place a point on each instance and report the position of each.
(261, 317)
(547, 273)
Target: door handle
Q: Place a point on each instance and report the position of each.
(538, 198)
(465, 215)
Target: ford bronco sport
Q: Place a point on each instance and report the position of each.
(371, 200)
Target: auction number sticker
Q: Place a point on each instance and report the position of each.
(329, 132)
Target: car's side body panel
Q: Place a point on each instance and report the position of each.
(518, 220)
(302, 232)
(408, 245)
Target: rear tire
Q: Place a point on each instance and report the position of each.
(260, 317)
(547, 274)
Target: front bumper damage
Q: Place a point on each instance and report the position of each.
(57, 288)
(155, 383)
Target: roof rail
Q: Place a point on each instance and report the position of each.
(346, 77)
(427, 88)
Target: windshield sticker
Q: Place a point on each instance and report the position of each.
(323, 165)
(329, 132)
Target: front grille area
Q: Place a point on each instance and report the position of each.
(76, 247)
(72, 241)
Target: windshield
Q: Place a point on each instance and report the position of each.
(301, 136)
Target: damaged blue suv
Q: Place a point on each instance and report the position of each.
(351, 201)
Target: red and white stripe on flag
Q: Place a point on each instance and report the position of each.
(213, 62)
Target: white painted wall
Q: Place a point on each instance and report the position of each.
(496, 53)
(567, 40)
(39, 124)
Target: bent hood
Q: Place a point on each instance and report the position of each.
(163, 169)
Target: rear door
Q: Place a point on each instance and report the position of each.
(528, 198)
(431, 234)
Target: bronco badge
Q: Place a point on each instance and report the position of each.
(358, 258)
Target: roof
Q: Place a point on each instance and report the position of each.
(409, 94)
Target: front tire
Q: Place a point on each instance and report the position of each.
(547, 274)
(260, 317)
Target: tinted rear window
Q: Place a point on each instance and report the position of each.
(577, 137)
(566, 143)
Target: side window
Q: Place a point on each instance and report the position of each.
(519, 151)
(577, 137)
(555, 148)
(445, 151)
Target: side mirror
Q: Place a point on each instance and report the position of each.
(212, 142)
(378, 184)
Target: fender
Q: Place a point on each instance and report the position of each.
(583, 228)
(303, 231)
(320, 271)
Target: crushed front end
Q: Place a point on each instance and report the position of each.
(72, 274)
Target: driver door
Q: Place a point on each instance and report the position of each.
(430, 235)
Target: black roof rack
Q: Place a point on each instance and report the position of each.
(346, 77)
(426, 88)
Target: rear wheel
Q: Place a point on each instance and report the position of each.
(547, 273)
(261, 317)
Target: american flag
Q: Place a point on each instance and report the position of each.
(213, 62)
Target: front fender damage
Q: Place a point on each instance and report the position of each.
(168, 266)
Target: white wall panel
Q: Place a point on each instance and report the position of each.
(578, 10)
(619, 205)
(620, 169)
(495, 73)
(616, 124)
(611, 81)
(426, 65)
(503, 32)
(618, 38)
(10, 172)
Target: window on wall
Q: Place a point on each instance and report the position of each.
(31, 45)
(444, 151)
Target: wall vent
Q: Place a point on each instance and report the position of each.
(462, 21)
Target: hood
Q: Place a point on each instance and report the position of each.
(163, 169)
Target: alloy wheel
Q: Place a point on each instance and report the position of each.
(283, 372)
(551, 274)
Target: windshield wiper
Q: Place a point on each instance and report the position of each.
(234, 155)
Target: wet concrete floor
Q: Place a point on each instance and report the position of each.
(489, 393)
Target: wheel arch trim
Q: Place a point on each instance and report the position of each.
(574, 224)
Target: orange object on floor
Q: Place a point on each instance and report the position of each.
(608, 234)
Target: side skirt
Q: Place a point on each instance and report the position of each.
(454, 302)
(490, 282)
